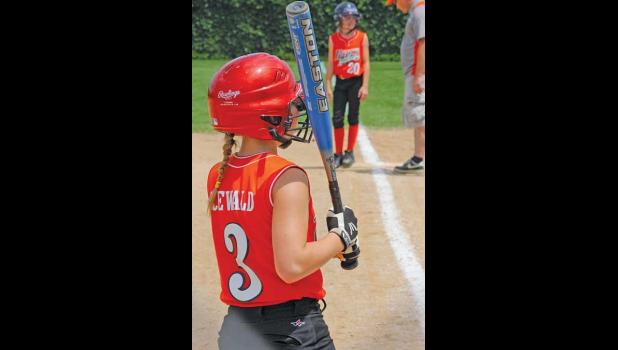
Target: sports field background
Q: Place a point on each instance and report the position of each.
(387, 310)
(381, 109)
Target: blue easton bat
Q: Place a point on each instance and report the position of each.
(311, 77)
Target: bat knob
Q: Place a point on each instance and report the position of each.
(349, 264)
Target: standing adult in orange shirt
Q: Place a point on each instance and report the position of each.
(262, 216)
(348, 60)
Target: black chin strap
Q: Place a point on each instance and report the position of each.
(285, 143)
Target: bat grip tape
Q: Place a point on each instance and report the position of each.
(335, 196)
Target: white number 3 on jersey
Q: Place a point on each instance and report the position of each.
(236, 280)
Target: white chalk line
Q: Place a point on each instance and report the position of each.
(397, 236)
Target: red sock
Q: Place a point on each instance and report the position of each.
(352, 132)
(339, 132)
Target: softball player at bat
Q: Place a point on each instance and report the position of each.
(348, 60)
(262, 216)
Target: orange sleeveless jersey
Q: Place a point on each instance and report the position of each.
(348, 60)
(241, 221)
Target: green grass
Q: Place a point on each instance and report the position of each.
(381, 109)
(202, 72)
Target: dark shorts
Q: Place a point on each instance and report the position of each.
(292, 325)
(346, 92)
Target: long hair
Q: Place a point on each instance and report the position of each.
(227, 151)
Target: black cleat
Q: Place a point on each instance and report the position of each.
(348, 159)
(337, 160)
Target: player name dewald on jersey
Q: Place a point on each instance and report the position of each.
(234, 200)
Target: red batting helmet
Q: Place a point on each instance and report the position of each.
(252, 95)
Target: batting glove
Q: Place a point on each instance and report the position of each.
(344, 225)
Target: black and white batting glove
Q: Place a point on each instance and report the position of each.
(349, 258)
(344, 225)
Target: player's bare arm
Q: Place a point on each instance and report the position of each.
(363, 92)
(296, 258)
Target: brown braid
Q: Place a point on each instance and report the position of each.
(227, 151)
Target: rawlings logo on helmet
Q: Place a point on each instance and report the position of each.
(228, 95)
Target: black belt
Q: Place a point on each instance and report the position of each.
(292, 307)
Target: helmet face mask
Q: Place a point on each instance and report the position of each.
(300, 131)
(304, 132)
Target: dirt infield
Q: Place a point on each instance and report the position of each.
(380, 312)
